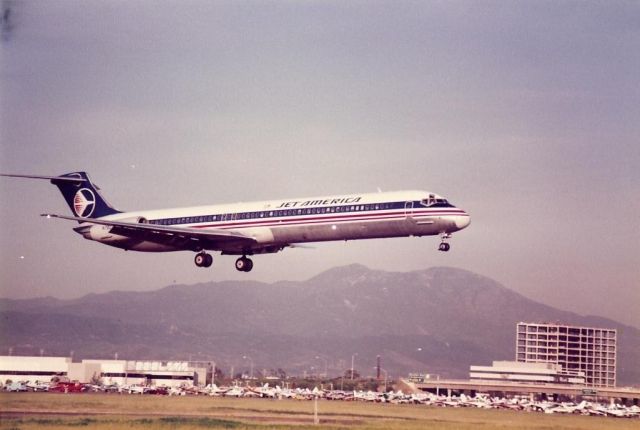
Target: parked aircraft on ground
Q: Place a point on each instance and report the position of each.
(259, 227)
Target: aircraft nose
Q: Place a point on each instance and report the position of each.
(463, 221)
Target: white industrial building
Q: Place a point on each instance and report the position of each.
(108, 372)
(32, 369)
(514, 371)
(159, 373)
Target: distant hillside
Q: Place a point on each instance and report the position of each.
(439, 320)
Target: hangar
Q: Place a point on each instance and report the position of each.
(107, 372)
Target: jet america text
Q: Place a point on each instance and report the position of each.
(338, 201)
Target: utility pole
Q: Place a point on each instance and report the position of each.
(325, 364)
(316, 420)
(353, 358)
(246, 357)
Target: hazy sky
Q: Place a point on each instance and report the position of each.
(526, 114)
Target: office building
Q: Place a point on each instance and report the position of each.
(577, 349)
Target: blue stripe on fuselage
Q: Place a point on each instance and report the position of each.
(239, 219)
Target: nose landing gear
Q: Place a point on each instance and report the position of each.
(444, 245)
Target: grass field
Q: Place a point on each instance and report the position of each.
(26, 411)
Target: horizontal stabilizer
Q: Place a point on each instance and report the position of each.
(56, 178)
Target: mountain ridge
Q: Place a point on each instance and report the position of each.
(439, 319)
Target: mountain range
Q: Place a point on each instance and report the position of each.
(438, 321)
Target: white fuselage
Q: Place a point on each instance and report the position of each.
(278, 223)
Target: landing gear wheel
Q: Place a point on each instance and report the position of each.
(202, 259)
(244, 264)
(444, 246)
(208, 260)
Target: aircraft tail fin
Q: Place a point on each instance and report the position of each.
(82, 196)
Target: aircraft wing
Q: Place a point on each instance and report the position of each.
(180, 237)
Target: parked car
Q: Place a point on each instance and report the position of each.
(16, 387)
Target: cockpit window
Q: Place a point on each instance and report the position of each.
(433, 202)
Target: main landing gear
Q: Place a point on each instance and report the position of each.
(444, 245)
(202, 259)
(244, 264)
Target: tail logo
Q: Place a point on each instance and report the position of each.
(84, 202)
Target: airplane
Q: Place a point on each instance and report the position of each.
(246, 229)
